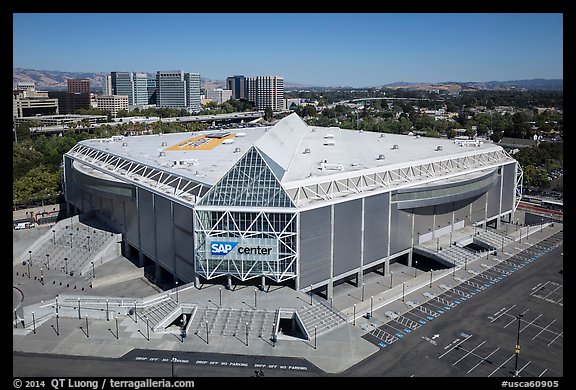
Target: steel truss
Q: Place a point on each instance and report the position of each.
(256, 225)
(386, 177)
(170, 184)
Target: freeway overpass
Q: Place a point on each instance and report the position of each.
(213, 119)
(381, 98)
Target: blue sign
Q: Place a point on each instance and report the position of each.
(220, 248)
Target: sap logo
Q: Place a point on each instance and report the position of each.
(220, 248)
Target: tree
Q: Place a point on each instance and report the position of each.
(268, 113)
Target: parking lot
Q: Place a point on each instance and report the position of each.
(482, 342)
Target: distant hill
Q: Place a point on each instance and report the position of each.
(539, 84)
(56, 80)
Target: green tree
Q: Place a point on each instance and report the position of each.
(268, 113)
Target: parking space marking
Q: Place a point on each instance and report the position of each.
(483, 360)
(451, 349)
(514, 318)
(469, 352)
(530, 323)
(543, 329)
(520, 370)
(511, 307)
(500, 366)
(542, 372)
(559, 334)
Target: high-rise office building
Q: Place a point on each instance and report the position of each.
(237, 84)
(78, 85)
(70, 102)
(107, 85)
(152, 91)
(112, 103)
(133, 85)
(177, 89)
(266, 91)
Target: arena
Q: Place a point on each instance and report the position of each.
(290, 204)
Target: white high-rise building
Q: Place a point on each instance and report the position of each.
(177, 89)
(107, 85)
(266, 91)
(219, 95)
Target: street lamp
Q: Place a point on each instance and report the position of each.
(220, 292)
(54, 236)
(415, 269)
(362, 291)
(107, 319)
(403, 291)
(70, 239)
(371, 303)
(176, 291)
(79, 317)
(34, 323)
(354, 316)
(437, 244)
(517, 349)
(255, 302)
(30, 253)
(66, 265)
(28, 263)
(431, 272)
(465, 262)
(391, 273)
(48, 260)
(88, 237)
(93, 273)
(41, 276)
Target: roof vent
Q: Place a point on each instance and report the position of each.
(164, 143)
(236, 150)
(382, 135)
(240, 134)
(395, 146)
(438, 148)
(329, 142)
(124, 144)
(329, 136)
(354, 164)
(161, 154)
(381, 157)
(228, 141)
(306, 151)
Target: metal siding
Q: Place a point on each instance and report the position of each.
(462, 209)
(494, 199)
(347, 236)
(184, 270)
(164, 235)
(401, 224)
(423, 221)
(106, 208)
(478, 209)
(183, 217)
(375, 227)
(184, 246)
(86, 202)
(146, 210)
(118, 215)
(131, 224)
(315, 229)
(443, 214)
(509, 186)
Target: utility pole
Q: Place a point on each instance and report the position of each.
(517, 349)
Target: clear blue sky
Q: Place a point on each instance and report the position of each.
(333, 49)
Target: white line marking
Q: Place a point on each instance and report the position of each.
(555, 338)
(542, 373)
(480, 362)
(540, 315)
(500, 366)
(503, 313)
(453, 347)
(523, 367)
(543, 329)
(469, 352)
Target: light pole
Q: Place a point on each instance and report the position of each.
(147, 330)
(502, 243)
(176, 291)
(87, 332)
(48, 260)
(135, 317)
(415, 269)
(465, 263)
(255, 302)
(107, 318)
(220, 293)
(56, 304)
(391, 274)
(30, 253)
(93, 272)
(207, 341)
(517, 349)
(403, 291)
(172, 365)
(54, 236)
(363, 291)
(246, 334)
(431, 272)
(437, 244)
(66, 265)
(315, 338)
(28, 263)
(33, 323)
(541, 224)
(117, 334)
(88, 237)
(310, 295)
(453, 267)
(354, 316)
(57, 325)
(371, 303)
(79, 317)
(15, 319)
(70, 239)
(41, 276)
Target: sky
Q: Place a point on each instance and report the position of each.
(316, 49)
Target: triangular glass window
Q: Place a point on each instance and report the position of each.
(249, 183)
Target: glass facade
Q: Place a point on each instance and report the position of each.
(249, 183)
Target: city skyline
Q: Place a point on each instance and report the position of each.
(334, 49)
